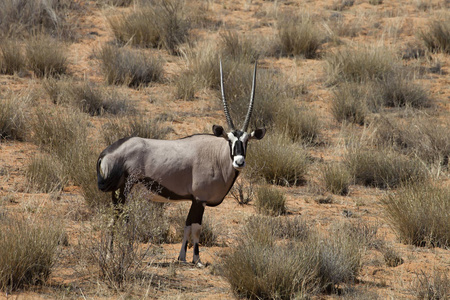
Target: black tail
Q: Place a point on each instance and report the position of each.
(109, 182)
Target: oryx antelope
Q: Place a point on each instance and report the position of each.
(200, 168)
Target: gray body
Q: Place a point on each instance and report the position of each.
(175, 170)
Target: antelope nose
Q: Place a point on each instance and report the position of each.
(239, 161)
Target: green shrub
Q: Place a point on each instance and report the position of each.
(13, 117)
(337, 179)
(420, 214)
(125, 66)
(278, 160)
(299, 35)
(270, 201)
(28, 251)
(46, 56)
(437, 37)
(160, 23)
(383, 168)
(45, 174)
(12, 59)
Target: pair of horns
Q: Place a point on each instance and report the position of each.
(250, 106)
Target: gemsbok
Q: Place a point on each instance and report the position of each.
(200, 168)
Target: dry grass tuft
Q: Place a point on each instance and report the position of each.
(46, 174)
(278, 160)
(434, 287)
(420, 214)
(161, 23)
(437, 37)
(270, 201)
(383, 168)
(129, 67)
(14, 116)
(28, 251)
(336, 178)
(46, 56)
(12, 59)
(298, 35)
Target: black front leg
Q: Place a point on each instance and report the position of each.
(193, 226)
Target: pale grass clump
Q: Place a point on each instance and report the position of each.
(278, 160)
(383, 168)
(28, 251)
(336, 178)
(161, 23)
(434, 286)
(129, 67)
(45, 174)
(129, 126)
(12, 58)
(360, 64)
(350, 103)
(299, 35)
(267, 264)
(14, 116)
(420, 214)
(270, 201)
(46, 56)
(87, 96)
(300, 124)
(437, 36)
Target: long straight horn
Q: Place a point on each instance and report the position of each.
(225, 105)
(252, 98)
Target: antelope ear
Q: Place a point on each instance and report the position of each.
(258, 133)
(218, 131)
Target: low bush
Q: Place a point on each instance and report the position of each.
(298, 35)
(435, 286)
(45, 174)
(141, 126)
(437, 36)
(270, 201)
(129, 67)
(46, 56)
(161, 23)
(360, 64)
(13, 117)
(266, 229)
(336, 178)
(383, 168)
(87, 96)
(12, 59)
(238, 48)
(425, 138)
(400, 91)
(261, 266)
(420, 214)
(301, 125)
(349, 103)
(28, 251)
(278, 160)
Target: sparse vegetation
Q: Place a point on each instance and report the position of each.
(13, 116)
(45, 174)
(278, 160)
(437, 37)
(87, 96)
(28, 251)
(432, 287)
(336, 178)
(46, 56)
(349, 103)
(300, 124)
(383, 168)
(420, 214)
(12, 59)
(129, 67)
(270, 201)
(161, 23)
(298, 35)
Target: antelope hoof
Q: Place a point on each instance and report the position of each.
(199, 264)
